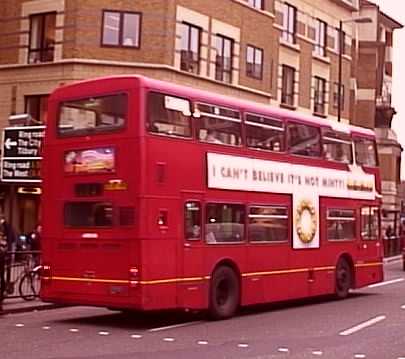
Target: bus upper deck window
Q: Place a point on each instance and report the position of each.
(92, 115)
(169, 115)
(304, 140)
(219, 125)
(264, 133)
(366, 153)
(337, 146)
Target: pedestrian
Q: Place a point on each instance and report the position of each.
(8, 233)
(3, 252)
(34, 239)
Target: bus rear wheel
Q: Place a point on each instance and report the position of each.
(224, 293)
(343, 279)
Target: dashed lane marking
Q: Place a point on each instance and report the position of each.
(283, 350)
(363, 325)
(19, 325)
(168, 339)
(317, 352)
(73, 330)
(202, 342)
(136, 336)
(104, 333)
(359, 356)
(243, 345)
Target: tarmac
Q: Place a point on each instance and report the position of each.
(19, 305)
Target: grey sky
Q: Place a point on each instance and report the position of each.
(395, 9)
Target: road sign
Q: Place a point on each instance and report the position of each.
(21, 154)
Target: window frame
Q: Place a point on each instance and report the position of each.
(200, 217)
(120, 43)
(218, 108)
(288, 143)
(42, 50)
(321, 34)
(356, 140)
(85, 132)
(333, 137)
(41, 104)
(149, 123)
(319, 96)
(257, 4)
(281, 129)
(220, 70)
(336, 96)
(188, 51)
(289, 26)
(243, 223)
(285, 84)
(287, 217)
(352, 219)
(251, 66)
(369, 215)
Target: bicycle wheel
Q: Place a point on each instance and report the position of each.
(29, 286)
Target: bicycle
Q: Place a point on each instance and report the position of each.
(25, 276)
(30, 284)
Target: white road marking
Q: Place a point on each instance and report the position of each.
(317, 352)
(363, 325)
(73, 330)
(202, 342)
(359, 356)
(104, 333)
(19, 325)
(136, 336)
(173, 326)
(46, 328)
(393, 281)
(401, 358)
(168, 339)
(283, 350)
(403, 306)
(243, 345)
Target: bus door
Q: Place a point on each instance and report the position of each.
(191, 281)
(370, 248)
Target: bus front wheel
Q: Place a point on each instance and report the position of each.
(343, 277)
(224, 293)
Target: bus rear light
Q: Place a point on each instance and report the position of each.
(133, 277)
(46, 272)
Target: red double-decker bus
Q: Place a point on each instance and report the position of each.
(159, 196)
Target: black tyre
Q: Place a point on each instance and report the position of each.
(343, 279)
(29, 286)
(224, 293)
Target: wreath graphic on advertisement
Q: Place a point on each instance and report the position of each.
(306, 233)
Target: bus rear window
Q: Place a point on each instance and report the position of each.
(88, 214)
(92, 115)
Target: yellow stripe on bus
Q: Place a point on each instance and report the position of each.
(200, 279)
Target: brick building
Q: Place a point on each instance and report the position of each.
(275, 52)
(374, 108)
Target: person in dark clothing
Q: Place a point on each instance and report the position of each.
(8, 233)
(35, 243)
(3, 252)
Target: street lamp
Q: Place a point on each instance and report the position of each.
(357, 20)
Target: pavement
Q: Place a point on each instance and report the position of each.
(19, 305)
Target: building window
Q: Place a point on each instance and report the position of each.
(320, 37)
(258, 4)
(37, 107)
(223, 63)
(121, 29)
(190, 48)
(336, 96)
(319, 98)
(254, 62)
(287, 90)
(289, 23)
(42, 38)
(340, 41)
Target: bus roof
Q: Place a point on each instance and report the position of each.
(219, 99)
